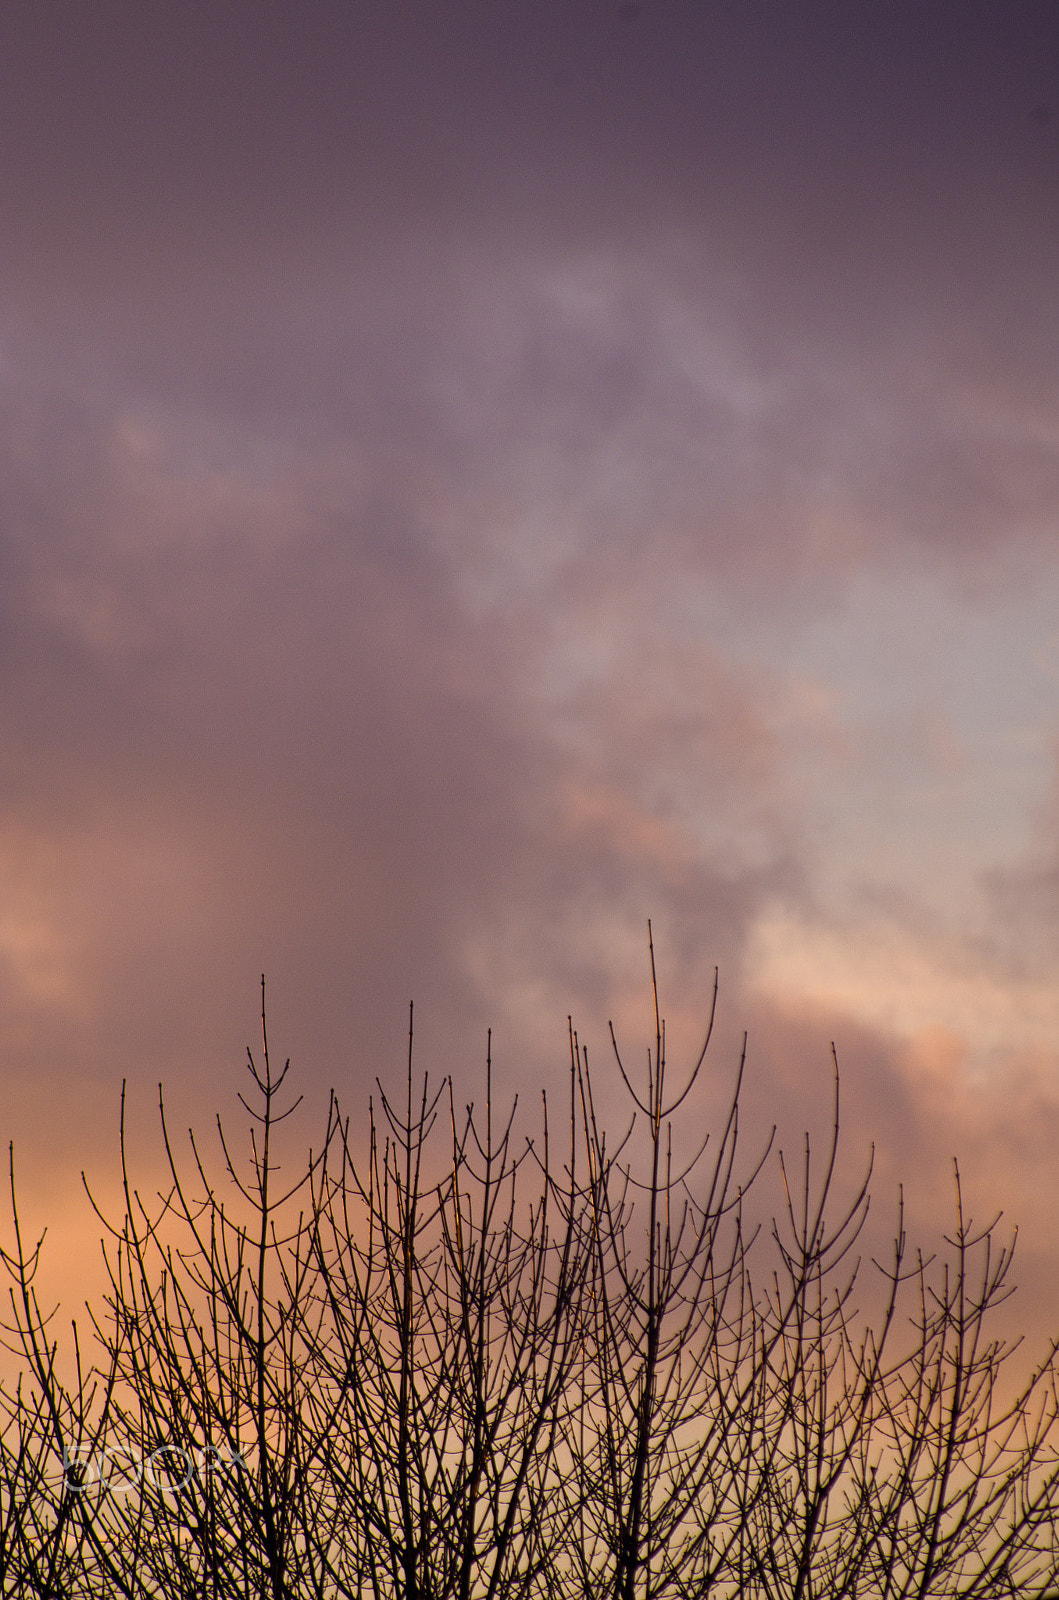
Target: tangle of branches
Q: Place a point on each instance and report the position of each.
(448, 1363)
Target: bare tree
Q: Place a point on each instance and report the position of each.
(450, 1361)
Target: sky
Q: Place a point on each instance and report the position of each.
(477, 475)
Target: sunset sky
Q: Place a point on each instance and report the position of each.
(477, 475)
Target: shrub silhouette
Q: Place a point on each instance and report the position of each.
(449, 1365)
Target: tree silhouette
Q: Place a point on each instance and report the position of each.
(447, 1363)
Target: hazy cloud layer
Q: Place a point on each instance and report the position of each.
(471, 479)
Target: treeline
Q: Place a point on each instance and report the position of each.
(443, 1363)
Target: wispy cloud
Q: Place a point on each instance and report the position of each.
(468, 485)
